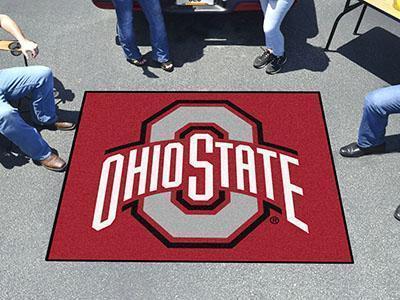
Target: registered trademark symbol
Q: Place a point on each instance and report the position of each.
(274, 220)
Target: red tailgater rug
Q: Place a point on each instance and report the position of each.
(202, 177)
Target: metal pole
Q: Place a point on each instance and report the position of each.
(347, 8)
(360, 19)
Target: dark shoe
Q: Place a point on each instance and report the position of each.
(353, 150)
(117, 41)
(139, 63)
(54, 163)
(60, 125)
(397, 213)
(167, 66)
(276, 63)
(262, 60)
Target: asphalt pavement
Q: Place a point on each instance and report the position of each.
(212, 53)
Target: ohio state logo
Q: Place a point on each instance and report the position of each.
(201, 176)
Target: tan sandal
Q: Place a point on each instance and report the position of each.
(138, 63)
(167, 66)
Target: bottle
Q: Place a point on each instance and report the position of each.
(396, 4)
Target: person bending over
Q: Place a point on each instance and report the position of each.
(37, 82)
(378, 105)
(158, 34)
(273, 58)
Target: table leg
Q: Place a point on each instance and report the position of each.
(348, 8)
(360, 19)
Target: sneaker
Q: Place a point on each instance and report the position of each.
(262, 60)
(276, 63)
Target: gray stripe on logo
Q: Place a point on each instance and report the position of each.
(180, 225)
(166, 128)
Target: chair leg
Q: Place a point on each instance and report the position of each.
(360, 19)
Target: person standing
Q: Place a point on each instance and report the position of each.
(158, 35)
(273, 57)
(37, 82)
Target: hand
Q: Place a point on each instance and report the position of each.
(29, 48)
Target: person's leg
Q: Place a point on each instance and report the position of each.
(13, 127)
(264, 4)
(265, 57)
(35, 81)
(125, 28)
(158, 33)
(378, 105)
(275, 12)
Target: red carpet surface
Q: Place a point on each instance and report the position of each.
(202, 177)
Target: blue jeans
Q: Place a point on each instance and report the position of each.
(126, 33)
(16, 83)
(378, 105)
(274, 13)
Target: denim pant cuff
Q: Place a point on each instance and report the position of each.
(134, 57)
(47, 122)
(44, 156)
(367, 144)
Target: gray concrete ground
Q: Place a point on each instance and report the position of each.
(212, 53)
